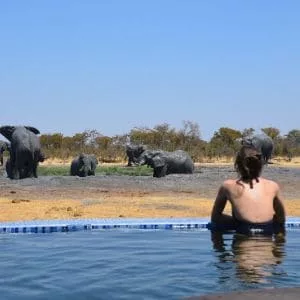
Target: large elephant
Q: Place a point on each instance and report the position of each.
(133, 152)
(84, 165)
(25, 151)
(262, 143)
(4, 146)
(164, 162)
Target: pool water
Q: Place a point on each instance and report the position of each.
(143, 264)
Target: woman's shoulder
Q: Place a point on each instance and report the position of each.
(269, 182)
(229, 182)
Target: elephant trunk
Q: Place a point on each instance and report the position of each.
(141, 161)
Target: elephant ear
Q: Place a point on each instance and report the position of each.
(7, 131)
(158, 161)
(32, 129)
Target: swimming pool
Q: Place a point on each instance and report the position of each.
(143, 264)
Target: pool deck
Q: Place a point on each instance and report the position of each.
(260, 294)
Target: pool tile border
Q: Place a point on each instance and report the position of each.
(51, 226)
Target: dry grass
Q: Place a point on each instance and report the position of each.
(141, 205)
(116, 206)
(56, 161)
(282, 161)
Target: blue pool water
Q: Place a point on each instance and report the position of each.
(143, 264)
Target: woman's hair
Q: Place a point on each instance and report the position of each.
(248, 164)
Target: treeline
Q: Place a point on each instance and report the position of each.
(224, 143)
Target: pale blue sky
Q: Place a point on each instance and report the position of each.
(69, 65)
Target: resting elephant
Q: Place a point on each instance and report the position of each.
(164, 163)
(133, 152)
(84, 165)
(262, 143)
(25, 151)
(3, 147)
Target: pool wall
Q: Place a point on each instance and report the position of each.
(49, 226)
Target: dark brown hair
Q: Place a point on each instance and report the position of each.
(248, 164)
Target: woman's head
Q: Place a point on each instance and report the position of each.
(248, 164)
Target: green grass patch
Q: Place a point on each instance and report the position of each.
(101, 170)
(53, 170)
(131, 171)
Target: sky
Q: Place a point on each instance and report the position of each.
(67, 65)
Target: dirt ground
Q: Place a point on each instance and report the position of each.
(176, 195)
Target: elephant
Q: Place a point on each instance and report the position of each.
(133, 152)
(83, 165)
(25, 151)
(262, 143)
(164, 162)
(4, 146)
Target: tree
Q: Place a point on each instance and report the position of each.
(248, 132)
(228, 135)
(294, 136)
(292, 143)
(79, 141)
(272, 132)
(51, 141)
(91, 137)
(224, 142)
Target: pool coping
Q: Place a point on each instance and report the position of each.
(69, 225)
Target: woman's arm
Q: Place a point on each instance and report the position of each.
(279, 209)
(217, 215)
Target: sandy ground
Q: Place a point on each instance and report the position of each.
(177, 195)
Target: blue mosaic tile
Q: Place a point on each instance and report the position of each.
(52, 226)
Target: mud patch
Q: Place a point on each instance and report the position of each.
(19, 200)
(172, 207)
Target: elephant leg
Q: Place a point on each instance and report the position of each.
(17, 169)
(160, 171)
(265, 159)
(27, 166)
(164, 171)
(8, 169)
(156, 172)
(15, 172)
(82, 173)
(24, 171)
(34, 170)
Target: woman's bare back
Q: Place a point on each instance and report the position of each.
(256, 204)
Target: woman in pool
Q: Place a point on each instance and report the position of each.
(257, 205)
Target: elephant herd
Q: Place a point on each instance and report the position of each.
(162, 162)
(25, 154)
(179, 161)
